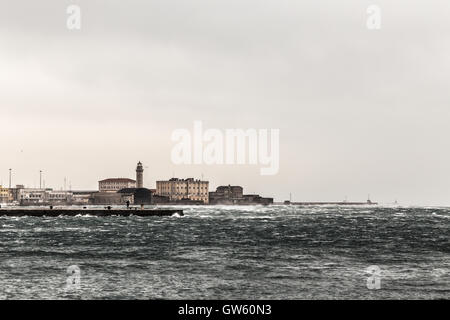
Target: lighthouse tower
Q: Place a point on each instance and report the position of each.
(139, 175)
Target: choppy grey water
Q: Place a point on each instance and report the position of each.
(276, 252)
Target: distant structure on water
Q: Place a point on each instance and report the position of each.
(229, 195)
(339, 203)
(186, 190)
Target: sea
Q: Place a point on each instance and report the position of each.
(231, 252)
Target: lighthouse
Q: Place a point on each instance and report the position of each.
(139, 175)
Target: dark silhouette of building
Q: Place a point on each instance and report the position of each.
(139, 176)
(140, 195)
(110, 198)
(228, 195)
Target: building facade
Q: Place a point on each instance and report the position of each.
(140, 195)
(82, 197)
(5, 195)
(115, 184)
(230, 192)
(44, 196)
(234, 195)
(181, 189)
(16, 191)
(110, 198)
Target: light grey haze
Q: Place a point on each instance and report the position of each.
(359, 111)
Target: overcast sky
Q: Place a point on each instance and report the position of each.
(359, 111)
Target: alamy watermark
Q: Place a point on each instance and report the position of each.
(74, 17)
(374, 17)
(73, 280)
(374, 280)
(228, 147)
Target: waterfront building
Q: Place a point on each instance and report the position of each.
(82, 197)
(115, 184)
(33, 196)
(157, 199)
(5, 195)
(15, 192)
(183, 189)
(256, 199)
(228, 192)
(228, 195)
(111, 198)
(138, 195)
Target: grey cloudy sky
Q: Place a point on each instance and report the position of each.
(359, 111)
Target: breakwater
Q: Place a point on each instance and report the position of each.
(341, 203)
(92, 212)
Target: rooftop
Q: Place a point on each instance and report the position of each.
(178, 179)
(118, 180)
